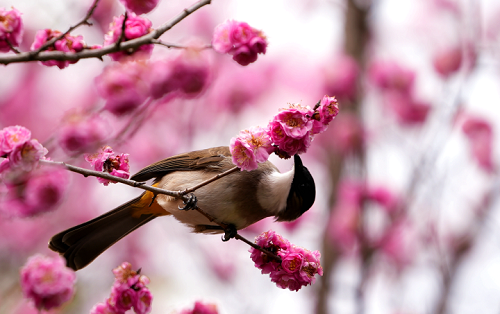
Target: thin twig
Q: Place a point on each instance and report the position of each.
(176, 46)
(72, 28)
(122, 33)
(99, 53)
(16, 51)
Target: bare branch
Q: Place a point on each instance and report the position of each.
(99, 53)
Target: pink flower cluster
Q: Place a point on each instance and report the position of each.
(66, 44)
(298, 266)
(129, 291)
(140, 6)
(240, 40)
(21, 152)
(82, 133)
(107, 161)
(396, 84)
(479, 133)
(135, 27)
(47, 282)
(11, 29)
(127, 85)
(290, 132)
(202, 308)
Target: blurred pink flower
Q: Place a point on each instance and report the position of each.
(107, 161)
(67, 44)
(407, 110)
(135, 27)
(12, 136)
(479, 132)
(11, 29)
(448, 61)
(140, 6)
(389, 75)
(346, 134)
(123, 86)
(384, 197)
(122, 298)
(40, 192)
(47, 282)
(102, 308)
(143, 301)
(340, 76)
(26, 156)
(188, 74)
(82, 133)
(240, 40)
(398, 243)
(202, 308)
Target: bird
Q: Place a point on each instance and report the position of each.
(237, 200)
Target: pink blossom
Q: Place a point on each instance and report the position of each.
(202, 308)
(12, 136)
(143, 301)
(140, 6)
(389, 75)
(11, 29)
(40, 192)
(407, 110)
(242, 155)
(240, 40)
(384, 197)
(123, 86)
(447, 62)
(47, 282)
(188, 74)
(26, 156)
(341, 76)
(480, 135)
(272, 242)
(67, 44)
(397, 243)
(122, 298)
(328, 110)
(107, 161)
(258, 140)
(292, 262)
(346, 134)
(135, 27)
(82, 133)
(295, 120)
(102, 308)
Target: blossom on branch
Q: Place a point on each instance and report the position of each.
(135, 27)
(47, 282)
(298, 266)
(129, 291)
(240, 40)
(107, 161)
(66, 44)
(140, 6)
(11, 29)
(250, 147)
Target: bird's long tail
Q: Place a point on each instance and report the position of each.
(81, 244)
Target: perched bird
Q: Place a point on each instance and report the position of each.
(238, 199)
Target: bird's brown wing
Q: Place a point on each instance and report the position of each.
(200, 159)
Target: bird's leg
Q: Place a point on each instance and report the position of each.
(190, 202)
(229, 232)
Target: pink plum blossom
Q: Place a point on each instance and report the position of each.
(408, 111)
(327, 111)
(66, 44)
(123, 86)
(26, 156)
(107, 161)
(202, 308)
(140, 6)
(340, 77)
(83, 133)
(242, 155)
(389, 75)
(102, 308)
(479, 133)
(11, 29)
(135, 27)
(448, 61)
(12, 136)
(297, 268)
(47, 282)
(252, 146)
(240, 40)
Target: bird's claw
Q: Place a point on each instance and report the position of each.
(229, 233)
(190, 203)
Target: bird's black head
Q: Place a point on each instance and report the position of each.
(302, 193)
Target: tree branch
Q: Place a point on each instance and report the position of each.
(99, 53)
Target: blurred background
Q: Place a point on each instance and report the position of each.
(406, 216)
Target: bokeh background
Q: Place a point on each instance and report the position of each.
(407, 213)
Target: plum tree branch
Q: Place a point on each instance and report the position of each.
(99, 53)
